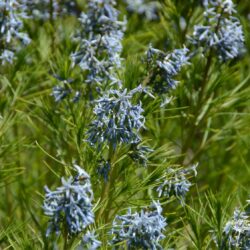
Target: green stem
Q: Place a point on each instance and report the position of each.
(193, 129)
(65, 235)
(107, 185)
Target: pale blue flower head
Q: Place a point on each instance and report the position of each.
(12, 13)
(166, 66)
(149, 9)
(143, 230)
(220, 31)
(99, 39)
(117, 119)
(237, 231)
(89, 241)
(70, 204)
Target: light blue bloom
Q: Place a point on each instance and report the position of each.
(220, 31)
(166, 66)
(143, 230)
(117, 119)
(237, 231)
(11, 37)
(89, 242)
(99, 41)
(70, 204)
(7, 56)
(147, 8)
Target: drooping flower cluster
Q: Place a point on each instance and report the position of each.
(221, 30)
(176, 183)
(70, 204)
(117, 119)
(11, 14)
(237, 231)
(166, 67)
(143, 230)
(89, 242)
(149, 9)
(99, 40)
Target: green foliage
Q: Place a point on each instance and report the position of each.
(207, 121)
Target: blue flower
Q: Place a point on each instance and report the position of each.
(7, 56)
(70, 204)
(221, 30)
(148, 9)
(117, 119)
(11, 14)
(140, 230)
(166, 66)
(99, 41)
(89, 241)
(237, 231)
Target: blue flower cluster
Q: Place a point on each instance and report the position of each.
(117, 119)
(221, 30)
(70, 204)
(89, 242)
(143, 230)
(11, 14)
(99, 40)
(166, 67)
(149, 9)
(176, 183)
(237, 231)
